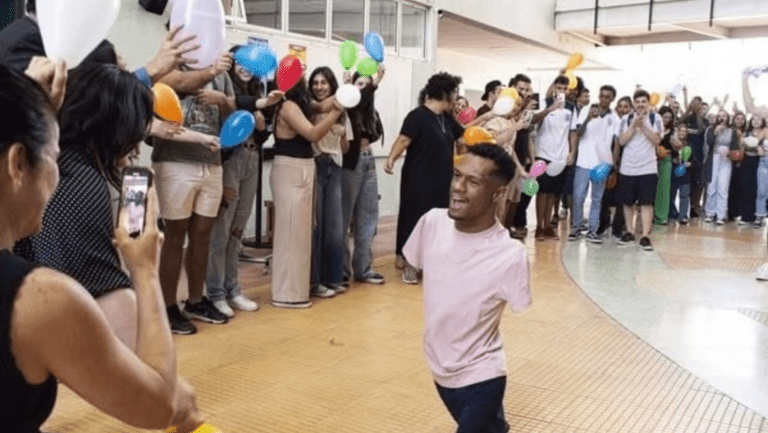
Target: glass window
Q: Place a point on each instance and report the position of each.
(265, 13)
(414, 24)
(307, 17)
(347, 20)
(384, 20)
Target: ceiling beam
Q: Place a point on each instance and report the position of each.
(656, 38)
(715, 31)
(598, 39)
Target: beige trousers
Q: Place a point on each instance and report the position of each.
(292, 181)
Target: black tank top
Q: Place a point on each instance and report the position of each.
(296, 147)
(23, 407)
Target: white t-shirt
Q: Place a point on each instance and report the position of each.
(331, 143)
(639, 155)
(595, 143)
(552, 139)
(468, 279)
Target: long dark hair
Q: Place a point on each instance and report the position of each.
(363, 117)
(329, 76)
(27, 114)
(299, 94)
(106, 112)
(252, 87)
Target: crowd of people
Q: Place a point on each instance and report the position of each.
(64, 145)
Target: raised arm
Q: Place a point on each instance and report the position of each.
(192, 81)
(749, 102)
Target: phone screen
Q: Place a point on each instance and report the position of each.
(527, 117)
(135, 186)
(561, 97)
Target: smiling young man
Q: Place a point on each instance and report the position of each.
(472, 269)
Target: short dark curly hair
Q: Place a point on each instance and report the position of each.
(439, 86)
(505, 167)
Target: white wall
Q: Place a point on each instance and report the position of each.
(137, 34)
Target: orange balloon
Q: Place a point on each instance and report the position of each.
(167, 104)
(572, 81)
(575, 61)
(655, 98)
(476, 134)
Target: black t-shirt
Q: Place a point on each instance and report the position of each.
(696, 137)
(484, 109)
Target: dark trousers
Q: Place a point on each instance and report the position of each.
(521, 212)
(477, 408)
(697, 191)
(610, 198)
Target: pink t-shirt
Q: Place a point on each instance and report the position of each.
(468, 278)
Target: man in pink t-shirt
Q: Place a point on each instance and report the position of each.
(472, 269)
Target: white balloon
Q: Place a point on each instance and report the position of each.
(71, 29)
(503, 105)
(348, 96)
(751, 142)
(204, 18)
(554, 168)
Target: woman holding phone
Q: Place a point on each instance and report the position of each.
(53, 330)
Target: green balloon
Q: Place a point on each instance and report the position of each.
(685, 153)
(367, 67)
(348, 54)
(530, 187)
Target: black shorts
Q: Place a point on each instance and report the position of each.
(549, 184)
(638, 189)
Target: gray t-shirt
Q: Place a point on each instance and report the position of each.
(639, 156)
(197, 117)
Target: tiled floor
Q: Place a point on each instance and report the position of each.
(354, 363)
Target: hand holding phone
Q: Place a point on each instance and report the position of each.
(133, 198)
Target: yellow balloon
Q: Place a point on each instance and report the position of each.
(572, 81)
(655, 98)
(511, 92)
(575, 61)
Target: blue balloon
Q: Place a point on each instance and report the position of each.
(374, 44)
(680, 171)
(259, 60)
(600, 173)
(237, 128)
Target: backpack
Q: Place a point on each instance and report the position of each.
(652, 116)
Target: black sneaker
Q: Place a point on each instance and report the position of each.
(179, 324)
(594, 238)
(575, 234)
(645, 243)
(205, 311)
(627, 239)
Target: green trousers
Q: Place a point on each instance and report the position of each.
(662, 190)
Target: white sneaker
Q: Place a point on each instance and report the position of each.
(240, 302)
(223, 308)
(323, 292)
(762, 272)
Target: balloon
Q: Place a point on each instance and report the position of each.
(600, 173)
(367, 67)
(572, 81)
(530, 187)
(167, 104)
(575, 61)
(348, 54)
(467, 115)
(685, 153)
(348, 96)
(510, 92)
(751, 142)
(375, 46)
(289, 72)
(476, 134)
(71, 29)
(554, 168)
(655, 98)
(237, 128)
(680, 171)
(538, 168)
(259, 60)
(503, 105)
(676, 90)
(204, 18)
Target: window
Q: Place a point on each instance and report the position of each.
(347, 21)
(414, 24)
(265, 13)
(307, 17)
(384, 20)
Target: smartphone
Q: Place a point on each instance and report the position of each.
(133, 197)
(561, 97)
(536, 97)
(527, 117)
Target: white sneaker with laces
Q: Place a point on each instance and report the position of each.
(323, 292)
(240, 302)
(224, 308)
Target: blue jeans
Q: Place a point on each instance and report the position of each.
(240, 172)
(360, 204)
(477, 408)
(328, 235)
(762, 188)
(580, 184)
(682, 184)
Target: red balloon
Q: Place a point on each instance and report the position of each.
(289, 72)
(467, 115)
